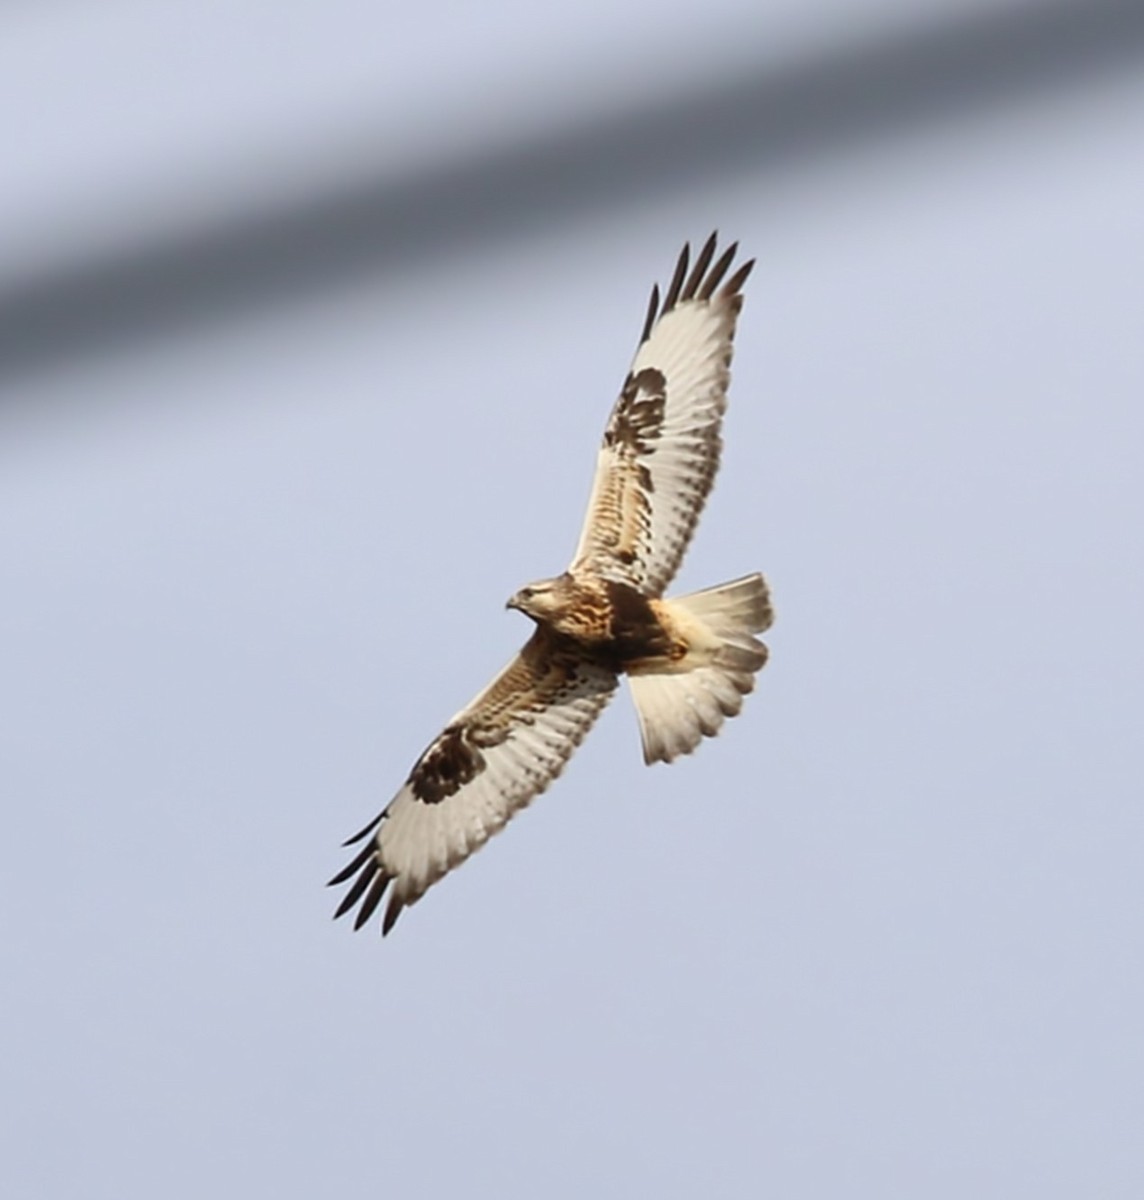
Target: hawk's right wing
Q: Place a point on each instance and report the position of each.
(492, 758)
(661, 447)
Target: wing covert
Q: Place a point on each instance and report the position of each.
(662, 443)
(491, 760)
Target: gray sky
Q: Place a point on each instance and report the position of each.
(881, 939)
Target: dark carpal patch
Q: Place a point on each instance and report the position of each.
(637, 420)
(449, 763)
(636, 632)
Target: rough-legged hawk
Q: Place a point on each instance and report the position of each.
(689, 660)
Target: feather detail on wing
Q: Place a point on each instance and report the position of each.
(490, 760)
(661, 447)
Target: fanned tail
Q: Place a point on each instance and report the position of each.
(683, 702)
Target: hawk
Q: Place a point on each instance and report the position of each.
(689, 660)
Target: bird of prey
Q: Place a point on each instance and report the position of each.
(689, 660)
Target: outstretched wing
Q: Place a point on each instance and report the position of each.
(661, 447)
(490, 760)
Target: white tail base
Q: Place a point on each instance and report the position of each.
(681, 701)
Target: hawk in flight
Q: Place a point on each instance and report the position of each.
(689, 660)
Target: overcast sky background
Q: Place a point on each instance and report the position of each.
(882, 938)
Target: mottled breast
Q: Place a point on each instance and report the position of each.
(635, 632)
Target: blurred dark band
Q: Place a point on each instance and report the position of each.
(740, 125)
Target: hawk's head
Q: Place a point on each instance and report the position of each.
(546, 599)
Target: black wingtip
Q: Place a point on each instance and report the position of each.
(365, 832)
(372, 898)
(359, 861)
(351, 897)
(677, 279)
(652, 313)
(735, 283)
(715, 275)
(702, 262)
(392, 912)
(702, 281)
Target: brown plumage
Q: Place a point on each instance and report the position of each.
(689, 660)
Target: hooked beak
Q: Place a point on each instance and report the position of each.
(513, 602)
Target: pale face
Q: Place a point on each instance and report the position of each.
(543, 600)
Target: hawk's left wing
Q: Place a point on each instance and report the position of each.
(661, 447)
(491, 759)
